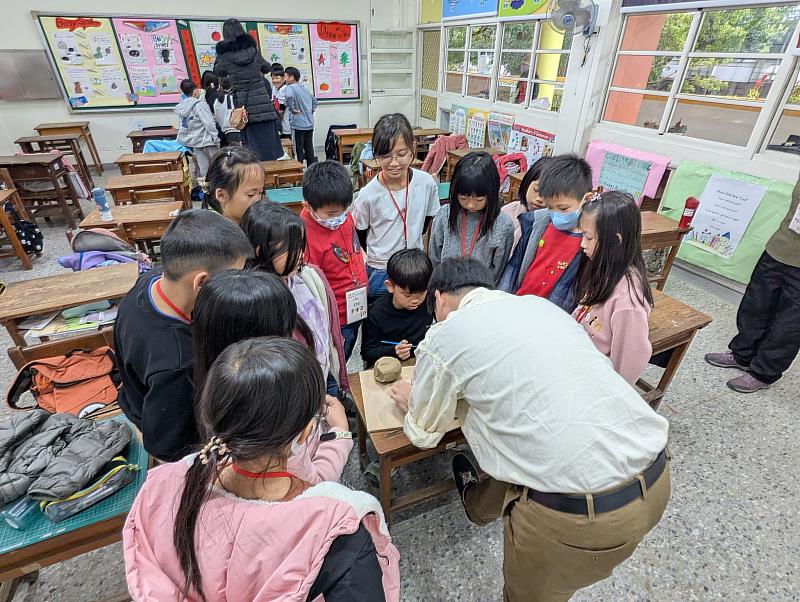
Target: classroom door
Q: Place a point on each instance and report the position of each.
(428, 64)
(391, 74)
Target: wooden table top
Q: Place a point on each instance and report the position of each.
(53, 293)
(6, 194)
(148, 157)
(655, 223)
(517, 176)
(418, 132)
(142, 213)
(375, 165)
(48, 138)
(144, 180)
(62, 124)
(671, 319)
(153, 133)
(273, 167)
(463, 152)
(35, 159)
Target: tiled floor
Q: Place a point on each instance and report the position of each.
(730, 531)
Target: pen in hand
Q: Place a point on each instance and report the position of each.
(395, 343)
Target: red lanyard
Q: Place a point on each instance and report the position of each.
(582, 312)
(170, 304)
(464, 252)
(404, 213)
(348, 249)
(261, 475)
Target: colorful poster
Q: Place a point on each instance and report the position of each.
(595, 156)
(334, 60)
(498, 126)
(153, 57)
(289, 45)
(88, 61)
(533, 143)
(458, 120)
(625, 174)
(476, 128)
(205, 35)
(522, 8)
(460, 9)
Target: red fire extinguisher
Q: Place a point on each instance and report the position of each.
(688, 212)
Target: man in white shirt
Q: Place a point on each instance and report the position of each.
(576, 459)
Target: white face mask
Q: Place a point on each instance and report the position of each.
(296, 447)
(331, 223)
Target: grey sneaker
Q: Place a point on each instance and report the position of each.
(724, 360)
(747, 383)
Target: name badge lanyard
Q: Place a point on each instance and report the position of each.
(402, 213)
(170, 304)
(464, 252)
(346, 258)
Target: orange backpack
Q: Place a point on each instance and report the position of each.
(77, 383)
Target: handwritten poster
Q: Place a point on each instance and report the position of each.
(499, 129)
(88, 61)
(623, 173)
(334, 60)
(595, 156)
(533, 143)
(458, 120)
(289, 45)
(459, 9)
(153, 57)
(476, 128)
(205, 35)
(726, 208)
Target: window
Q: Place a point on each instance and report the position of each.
(702, 74)
(787, 133)
(455, 53)
(480, 60)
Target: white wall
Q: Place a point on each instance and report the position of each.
(18, 31)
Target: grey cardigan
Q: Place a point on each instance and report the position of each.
(493, 248)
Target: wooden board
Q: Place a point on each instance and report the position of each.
(275, 167)
(148, 157)
(145, 180)
(380, 412)
(672, 321)
(38, 159)
(131, 214)
(48, 138)
(62, 124)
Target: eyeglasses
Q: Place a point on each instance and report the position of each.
(399, 157)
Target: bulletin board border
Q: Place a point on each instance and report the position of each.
(35, 14)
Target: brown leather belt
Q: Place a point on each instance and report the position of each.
(604, 502)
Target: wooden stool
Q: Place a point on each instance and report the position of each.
(288, 147)
(135, 163)
(74, 127)
(68, 144)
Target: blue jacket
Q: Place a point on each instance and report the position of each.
(532, 227)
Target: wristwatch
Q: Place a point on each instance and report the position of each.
(333, 435)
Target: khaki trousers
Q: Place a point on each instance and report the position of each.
(549, 555)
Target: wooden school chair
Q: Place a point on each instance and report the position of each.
(289, 179)
(288, 147)
(136, 163)
(68, 144)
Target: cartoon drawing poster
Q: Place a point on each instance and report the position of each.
(334, 60)
(289, 45)
(88, 61)
(153, 57)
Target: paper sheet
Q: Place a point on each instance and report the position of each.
(380, 412)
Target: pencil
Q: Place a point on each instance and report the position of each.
(395, 343)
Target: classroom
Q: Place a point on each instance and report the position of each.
(418, 300)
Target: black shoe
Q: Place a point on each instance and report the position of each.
(465, 474)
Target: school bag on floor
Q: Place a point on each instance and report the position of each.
(508, 164)
(29, 234)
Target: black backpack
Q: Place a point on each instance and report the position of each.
(331, 150)
(30, 237)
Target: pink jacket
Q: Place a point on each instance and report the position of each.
(247, 550)
(619, 329)
(319, 461)
(437, 154)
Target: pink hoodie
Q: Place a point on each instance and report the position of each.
(247, 550)
(317, 461)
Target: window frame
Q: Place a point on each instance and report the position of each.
(784, 105)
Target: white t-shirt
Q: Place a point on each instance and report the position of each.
(375, 210)
(280, 96)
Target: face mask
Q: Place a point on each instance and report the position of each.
(330, 223)
(564, 221)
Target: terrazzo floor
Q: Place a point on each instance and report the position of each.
(730, 531)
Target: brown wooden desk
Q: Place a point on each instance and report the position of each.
(9, 234)
(74, 127)
(394, 449)
(48, 168)
(514, 186)
(348, 138)
(139, 137)
(454, 156)
(149, 187)
(673, 326)
(661, 232)
(54, 293)
(135, 163)
(68, 144)
(141, 225)
(372, 167)
(282, 172)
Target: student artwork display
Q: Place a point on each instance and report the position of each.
(459, 9)
(522, 8)
(289, 45)
(533, 143)
(458, 120)
(205, 35)
(630, 170)
(476, 128)
(334, 60)
(154, 59)
(499, 129)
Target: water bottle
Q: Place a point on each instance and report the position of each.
(99, 196)
(21, 513)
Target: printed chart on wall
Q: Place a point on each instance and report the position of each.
(153, 58)
(458, 120)
(334, 60)
(499, 129)
(288, 44)
(533, 143)
(88, 61)
(476, 128)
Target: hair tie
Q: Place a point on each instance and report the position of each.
(595, 196)
(215, 444)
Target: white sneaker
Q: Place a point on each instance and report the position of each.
(285, 157)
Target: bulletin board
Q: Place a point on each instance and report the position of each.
(118, 62)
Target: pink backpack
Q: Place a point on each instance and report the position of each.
(508, 164)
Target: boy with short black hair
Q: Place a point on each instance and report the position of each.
(545, 262)
(301, 105)
(397, 322)
(198, 129)
(278, 76)
(153, 334)
(332, 242)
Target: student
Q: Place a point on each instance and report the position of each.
(209, 82)
(401, 316)
(198, 130)
(472, 225)
(279, 239)
(767, 324)
(300, 104)
(223, 107)
(235, 181)
(615, 297)
(395, 208)
(278, 77)
(546, 259)
(152, 335)
(232, 522)
(528, 199)
(332, 242)
(237, 305)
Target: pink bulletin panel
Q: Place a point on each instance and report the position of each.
(334, 61)
(153, 58)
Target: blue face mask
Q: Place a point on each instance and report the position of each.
(331, 223)
(564, 221)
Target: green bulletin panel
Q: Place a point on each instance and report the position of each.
(690, 179)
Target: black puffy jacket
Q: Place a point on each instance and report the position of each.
(242, 62)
